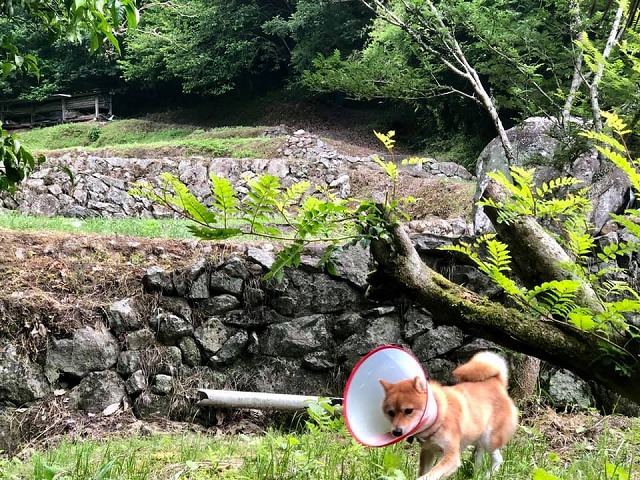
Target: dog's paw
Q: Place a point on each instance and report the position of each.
(428, 476)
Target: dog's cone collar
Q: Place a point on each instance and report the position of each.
(363, 395)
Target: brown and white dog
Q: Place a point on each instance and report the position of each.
(476, 411)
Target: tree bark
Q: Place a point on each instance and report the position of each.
(451, 304)
(524, 378)
(595, 83)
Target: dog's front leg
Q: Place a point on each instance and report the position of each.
(447, 465)
(427, 456)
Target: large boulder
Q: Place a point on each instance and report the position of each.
(87, 351)
(97, 391)
(296, 338)
(534, 143)
(22, 381)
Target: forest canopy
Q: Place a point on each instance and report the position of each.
(525, 54)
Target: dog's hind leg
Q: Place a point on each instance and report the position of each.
(496, 460)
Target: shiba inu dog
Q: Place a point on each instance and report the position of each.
(476, 411)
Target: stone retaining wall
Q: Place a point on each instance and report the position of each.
(79, 184)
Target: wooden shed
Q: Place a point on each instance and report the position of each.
(59, 108)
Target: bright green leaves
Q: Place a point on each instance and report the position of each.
(492, 257)
(544, 202)
(97, 20)
(100, 19)
(16, 162)
(13, 60)
(615, 149)
(266, 210)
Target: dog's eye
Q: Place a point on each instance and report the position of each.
(391, 413)
(408, 411)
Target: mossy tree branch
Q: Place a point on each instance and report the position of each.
(557, 342)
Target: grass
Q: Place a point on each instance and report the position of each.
(137, 227)
(315, 451)
(133, 135)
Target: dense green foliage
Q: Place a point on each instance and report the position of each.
(90, 21)
(524, 54)
(211, 47)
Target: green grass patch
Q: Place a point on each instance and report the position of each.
(137, 227)
(308, 455)
(318, 449)
(124, 136)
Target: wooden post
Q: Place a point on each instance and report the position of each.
(64, 104)
(97, 104)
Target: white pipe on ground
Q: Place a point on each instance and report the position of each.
(257, 400)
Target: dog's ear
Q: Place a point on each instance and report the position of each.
(419, 384)
(386, 385)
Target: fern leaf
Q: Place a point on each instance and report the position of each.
(556, 297)
(582, 318)
(260, 205)
(224, 197)
(287, 257)
(499, 256)
(183, 200)
(207, 233)
(387, 140)
(629, 221)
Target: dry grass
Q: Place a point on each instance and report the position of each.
(433, 196)
(53, 282)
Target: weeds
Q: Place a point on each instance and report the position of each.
(320, 449)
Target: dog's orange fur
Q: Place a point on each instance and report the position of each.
(477, 411)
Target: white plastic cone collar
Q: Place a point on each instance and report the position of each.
(363, 395)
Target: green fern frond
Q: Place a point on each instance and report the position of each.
(504, 181)
(224, 198)
(629, 221)
(616, 287)
(260, 204)
(626, 305)
(507, 284)
(580, 243)
(295, 192)
(464, 249)
(499, 256)
(390, 168)
(582, 318)
(178, 195)
(615, 123)
(549, 188)
(556, 297)
(611, 252)
(623, 164)
(387, 140)
(287, 257)
(604, 139)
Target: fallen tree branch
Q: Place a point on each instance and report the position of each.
(559, 343)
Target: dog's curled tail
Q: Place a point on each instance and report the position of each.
(482, 366)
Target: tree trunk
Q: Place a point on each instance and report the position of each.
(524, 378)
(400, 266)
